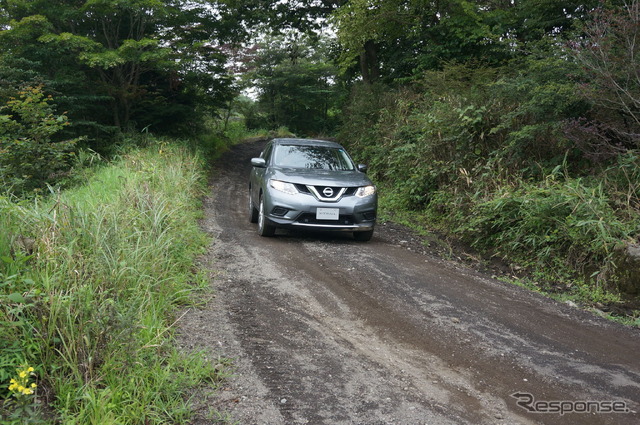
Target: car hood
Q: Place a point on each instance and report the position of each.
(320, 177)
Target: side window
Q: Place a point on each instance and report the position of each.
(266, 154)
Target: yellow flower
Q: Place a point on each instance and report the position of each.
(20, 385)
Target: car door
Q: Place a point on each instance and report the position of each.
(257, 174)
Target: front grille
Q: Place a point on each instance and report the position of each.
(310, 218)
(349, 191)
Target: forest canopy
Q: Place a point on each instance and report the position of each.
(118, 65)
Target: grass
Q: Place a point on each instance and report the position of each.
(89, 300)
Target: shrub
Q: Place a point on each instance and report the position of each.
(29, 155)
(562, 220)
(482, 152)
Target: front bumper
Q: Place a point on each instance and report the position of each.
(355, 214)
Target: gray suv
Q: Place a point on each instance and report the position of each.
(311, 184)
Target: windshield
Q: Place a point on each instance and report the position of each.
(312, 157)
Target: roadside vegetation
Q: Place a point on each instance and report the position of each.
(99, 205)
(92, 278)
(110, 113)
(538, 203)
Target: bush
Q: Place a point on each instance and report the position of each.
(482, 152)
(566, 222)
(30, 157)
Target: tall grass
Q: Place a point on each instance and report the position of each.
(569, 223)
(91, 279)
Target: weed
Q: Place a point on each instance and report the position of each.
(93, 305)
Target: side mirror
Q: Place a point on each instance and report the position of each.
(258, 162)
(362, 168)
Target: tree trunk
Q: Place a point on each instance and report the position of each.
(369, 66)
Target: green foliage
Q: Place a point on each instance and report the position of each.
(296, 86)
(538, 96)
(29, 154)
(91, 297)
(481, 152)
(116, 65)
(608, 54)
(401, 39)
(276, 16)
(434, 130)
(567, 222)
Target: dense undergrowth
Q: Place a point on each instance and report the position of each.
(91, 279)
(486, 156)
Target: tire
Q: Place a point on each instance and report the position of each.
(253, 211)
(363, 236)
(264, 227)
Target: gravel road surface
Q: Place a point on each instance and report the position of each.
(326, 330)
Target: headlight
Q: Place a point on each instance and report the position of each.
(365, 191)
(285, 187)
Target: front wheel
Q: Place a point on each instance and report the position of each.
(264, 227)
(253, 211)
(363, 236)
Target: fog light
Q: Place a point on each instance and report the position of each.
(279, 211)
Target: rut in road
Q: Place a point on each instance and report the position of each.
(327, 330)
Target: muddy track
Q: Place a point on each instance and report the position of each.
(327, 330)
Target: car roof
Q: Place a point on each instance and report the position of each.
(305, 142)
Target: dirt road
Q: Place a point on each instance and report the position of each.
(327, 330)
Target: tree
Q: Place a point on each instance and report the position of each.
(362, 26)
(396, 39)
(610, 58)
(297, 86)
(276, 16)
(125, 64)
(30, 154)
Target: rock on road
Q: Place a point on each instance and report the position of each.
(326, 330)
